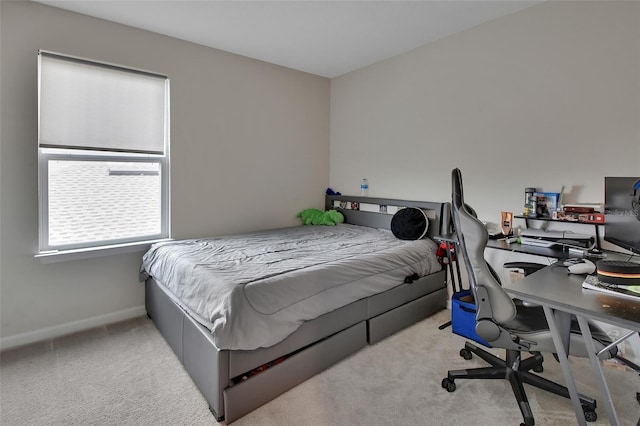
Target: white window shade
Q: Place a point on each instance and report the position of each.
(94, 106)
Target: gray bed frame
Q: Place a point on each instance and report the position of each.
(316, 345)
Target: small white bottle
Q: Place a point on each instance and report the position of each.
(364, 188)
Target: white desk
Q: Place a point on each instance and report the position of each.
(561, 295)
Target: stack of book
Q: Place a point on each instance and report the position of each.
(592, 282)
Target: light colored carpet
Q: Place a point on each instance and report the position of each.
(125, 374)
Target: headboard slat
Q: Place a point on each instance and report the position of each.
(439, 213)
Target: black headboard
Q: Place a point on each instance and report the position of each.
(439, 213)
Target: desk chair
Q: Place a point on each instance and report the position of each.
(502, 323)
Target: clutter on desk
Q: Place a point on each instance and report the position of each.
(591, 282)
(542, 238)
(540, 204)
(618, 272)
(595, 253)
(506, 221)
(529, 202)
(581, 266)
(549, 205)
(580, 213)
(494, 230)
(546, 203)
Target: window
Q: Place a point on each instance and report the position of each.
(103, 154)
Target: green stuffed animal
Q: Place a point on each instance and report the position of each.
(318, 217)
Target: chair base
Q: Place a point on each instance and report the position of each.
(517, 372)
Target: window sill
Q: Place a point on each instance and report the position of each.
(56, 256)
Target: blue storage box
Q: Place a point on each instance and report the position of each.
(463, 316)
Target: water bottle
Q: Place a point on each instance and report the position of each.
(364, 188)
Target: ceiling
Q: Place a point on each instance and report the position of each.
(326, 38)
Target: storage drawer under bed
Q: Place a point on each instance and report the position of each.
(248, 395)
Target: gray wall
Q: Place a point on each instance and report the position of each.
(546, 97)
(249, 149)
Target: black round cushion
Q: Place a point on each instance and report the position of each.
(409, 223)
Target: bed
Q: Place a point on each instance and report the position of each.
(251, 316)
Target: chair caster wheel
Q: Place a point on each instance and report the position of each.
(449, 385)
(466, 354)
(538, 368)
(590, 416)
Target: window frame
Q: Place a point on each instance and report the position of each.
(46, 154)
(52, 154)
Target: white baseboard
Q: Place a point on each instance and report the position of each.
(69, 327)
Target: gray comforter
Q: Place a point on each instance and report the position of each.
(253, 290)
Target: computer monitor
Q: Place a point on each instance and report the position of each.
(622, 212)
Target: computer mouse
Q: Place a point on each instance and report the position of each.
(584, 267)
